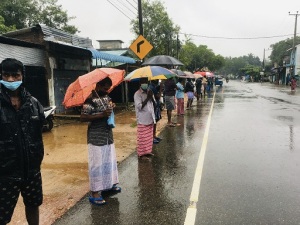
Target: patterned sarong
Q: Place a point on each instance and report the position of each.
(103, 170)
(170, 102)
(144, 139)
(180, 106)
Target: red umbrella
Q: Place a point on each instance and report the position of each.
(80, 89)
(203, 73)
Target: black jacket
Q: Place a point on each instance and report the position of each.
(189, 87)
(21, 142)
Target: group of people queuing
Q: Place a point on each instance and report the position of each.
(21, 142)
(147, 101)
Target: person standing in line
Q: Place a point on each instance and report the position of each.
(198, 88)
(156, 89)
(293, 83)
(204, 84)
(189, 89)
(170, 90)
(21, 144)
(180, 97)
(144, 109)
(102, 161)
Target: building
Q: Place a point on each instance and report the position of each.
(63, 57)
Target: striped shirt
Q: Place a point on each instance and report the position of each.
(99, 132)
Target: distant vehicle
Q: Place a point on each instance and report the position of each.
(218, 81)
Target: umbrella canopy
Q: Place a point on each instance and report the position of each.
(203, 73)
(160, 60)
(178, 72)
(80, 89)
(183, 74)
(150, 72)
(189, 74)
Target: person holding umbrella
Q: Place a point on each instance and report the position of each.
(102, 162)
(144, 109)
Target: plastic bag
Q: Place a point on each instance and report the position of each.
(111, 120)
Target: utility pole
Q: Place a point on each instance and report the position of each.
(294, 42)
(140, 17)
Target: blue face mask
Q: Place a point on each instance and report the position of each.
(11, 85)
(144, 87)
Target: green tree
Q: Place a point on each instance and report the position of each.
(26, 13)
(158, 28)
(281, 49)
(195, 57)
(237, 65)
(3, 28)
(253, 71)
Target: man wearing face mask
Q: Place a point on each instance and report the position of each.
(144, 109)
(21, 144)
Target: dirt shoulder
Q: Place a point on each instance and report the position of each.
(64, 168)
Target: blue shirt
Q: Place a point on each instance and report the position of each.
(180, 90)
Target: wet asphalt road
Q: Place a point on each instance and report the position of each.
(250, 172)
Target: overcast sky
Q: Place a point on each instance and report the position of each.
(228, 27)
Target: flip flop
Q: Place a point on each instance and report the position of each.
(171, 125)
(114, 188)
(97, 201)
(155, 141)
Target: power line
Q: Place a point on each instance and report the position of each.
(237, 38)
(132, 5)
(126, 7)
(119, 9)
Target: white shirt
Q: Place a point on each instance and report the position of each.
(144, 115)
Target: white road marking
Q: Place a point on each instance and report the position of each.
(192, 209)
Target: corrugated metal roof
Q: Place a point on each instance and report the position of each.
(61, 35)
(115, 52)
(28, 56)
(110, 57)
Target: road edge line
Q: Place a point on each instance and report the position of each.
(192, 209)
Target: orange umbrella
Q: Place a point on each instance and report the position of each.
(80, 89)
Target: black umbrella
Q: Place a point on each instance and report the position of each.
(160, 60)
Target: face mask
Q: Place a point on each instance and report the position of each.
(144, 87)
(11, 85)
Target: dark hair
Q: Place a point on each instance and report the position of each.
(180, 79)
(105, 81)
(12, 65)
(143, 80)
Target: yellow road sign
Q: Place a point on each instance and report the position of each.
(141, 47)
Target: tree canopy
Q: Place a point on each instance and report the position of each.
(282, 49)
(18, 14)
(158, 28)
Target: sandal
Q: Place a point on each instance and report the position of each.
(114, 188)
(97, 201)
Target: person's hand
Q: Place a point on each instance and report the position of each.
(149, 94)
(108, 111)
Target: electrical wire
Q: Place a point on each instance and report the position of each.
(119, 9)
(132, 5)
(238, 38)
(122, 3)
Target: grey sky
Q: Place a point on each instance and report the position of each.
(204, 20)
